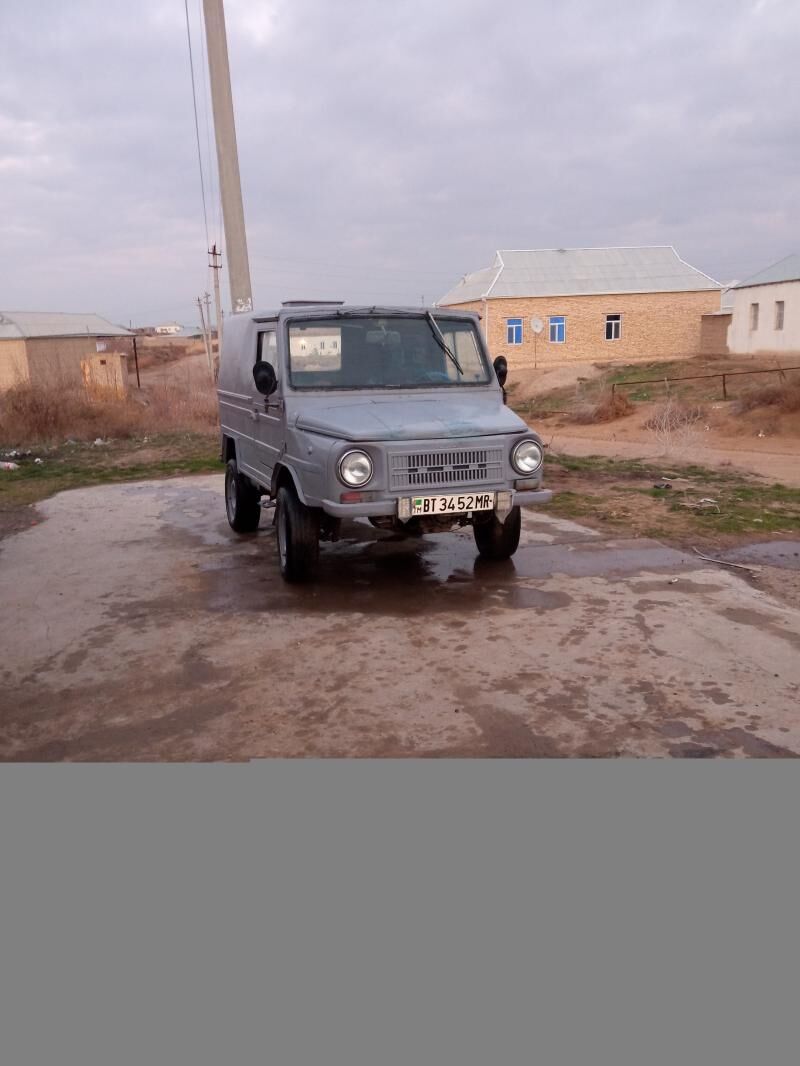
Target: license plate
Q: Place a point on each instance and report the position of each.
(471, 501)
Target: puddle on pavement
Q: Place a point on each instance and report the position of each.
(373, 572)
(374, 575)
(784, 554)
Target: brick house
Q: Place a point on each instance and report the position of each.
(590, 304)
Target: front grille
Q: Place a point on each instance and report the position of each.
(417, 470)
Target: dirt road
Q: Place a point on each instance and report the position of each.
(137, 626)
(776, 463)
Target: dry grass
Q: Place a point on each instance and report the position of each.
(36, 415)
(607, 408)
(784, 395)
(155, 353)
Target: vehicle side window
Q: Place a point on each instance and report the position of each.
(268, 348)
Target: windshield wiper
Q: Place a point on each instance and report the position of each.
(442, 342)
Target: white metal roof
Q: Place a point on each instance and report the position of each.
(29, 324)
(787, 269)
(580, 272)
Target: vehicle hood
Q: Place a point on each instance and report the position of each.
(408, 419)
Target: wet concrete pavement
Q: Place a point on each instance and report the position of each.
(137, 626)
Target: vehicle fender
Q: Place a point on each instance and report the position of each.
(280, 473)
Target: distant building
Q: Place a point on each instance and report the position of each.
(49, 347)
(716, 324)
(766, 310)
(588, 304)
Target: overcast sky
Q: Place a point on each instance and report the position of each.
(388, 147)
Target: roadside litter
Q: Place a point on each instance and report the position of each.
(9, 466)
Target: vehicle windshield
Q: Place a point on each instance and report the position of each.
(380, 351)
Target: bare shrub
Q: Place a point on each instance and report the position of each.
(673, 415)
(785, 395)
(675, 424)
(610, 406)
(31, 415)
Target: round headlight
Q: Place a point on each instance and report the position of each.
(355, 469)
(527, 457)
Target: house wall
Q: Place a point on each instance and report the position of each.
(13, 363)
(58, 359)
(714, 333)
(743, 340)
(654, 326)
(105, 374)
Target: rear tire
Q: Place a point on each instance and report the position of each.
(496, 539)
(242, 504)
(297, 537)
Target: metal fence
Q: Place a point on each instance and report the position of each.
(724, 374)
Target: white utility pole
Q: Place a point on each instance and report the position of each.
(230, 185)
(206, 339)
(216, 265)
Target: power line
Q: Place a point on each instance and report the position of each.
(196, 123)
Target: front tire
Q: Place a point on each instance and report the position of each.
(297, 537)
(242, 504)
(496, 539)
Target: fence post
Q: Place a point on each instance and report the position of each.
(724, 388)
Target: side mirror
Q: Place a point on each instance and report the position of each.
(265, 378)
(501, 369)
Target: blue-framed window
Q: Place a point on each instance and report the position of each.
(514, 330)
(558, 329)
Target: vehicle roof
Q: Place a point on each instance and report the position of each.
(331, 310)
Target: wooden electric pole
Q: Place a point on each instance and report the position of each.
(206, 338)
(230, 185)
(215, 262)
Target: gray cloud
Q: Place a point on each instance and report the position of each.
(388, 148)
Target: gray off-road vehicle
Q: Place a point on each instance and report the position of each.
(391, 414)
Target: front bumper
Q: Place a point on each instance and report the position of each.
(388, 508)
(530, 497)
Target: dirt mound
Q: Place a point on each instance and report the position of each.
(781, 395)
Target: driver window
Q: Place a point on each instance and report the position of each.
(268, 348)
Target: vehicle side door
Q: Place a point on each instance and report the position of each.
(269, 435)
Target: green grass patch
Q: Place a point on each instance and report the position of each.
(635, 468)
(71, 466)
(605, 492)
(744, 509)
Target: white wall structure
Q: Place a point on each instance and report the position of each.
(766, 310)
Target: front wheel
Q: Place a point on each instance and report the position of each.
(242, 504)
(496, 539)
(297, 536)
